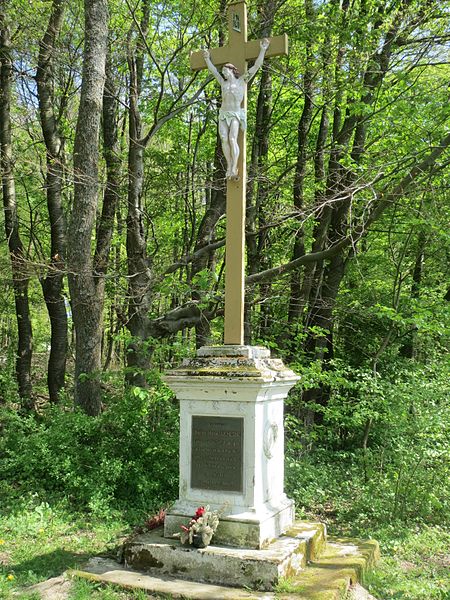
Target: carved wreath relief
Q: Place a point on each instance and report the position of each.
(270, 438)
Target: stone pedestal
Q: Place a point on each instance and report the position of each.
(232, 443)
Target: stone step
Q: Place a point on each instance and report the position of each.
(342, 563)
(107, 571)
(217, 564)
(314, 534)
(326, 576)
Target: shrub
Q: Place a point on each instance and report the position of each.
(126, 457)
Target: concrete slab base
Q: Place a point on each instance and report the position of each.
(256, 569)
(340, 564)
(109, 572)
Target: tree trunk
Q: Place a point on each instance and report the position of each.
(257, 188)
(111, 151)
(138, 359)
(16, 251)
(139, 265)
(83, 283)
(214, 212)
(205, 236)
(299, 176)
(52, 285)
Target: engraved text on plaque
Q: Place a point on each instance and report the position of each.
(217, 453)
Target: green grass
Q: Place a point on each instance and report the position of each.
(85, 590)
(39, 541)
(415, 564)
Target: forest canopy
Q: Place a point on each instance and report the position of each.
(114, 201)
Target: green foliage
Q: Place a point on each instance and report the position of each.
(395, 489)
(401, 471)
(8, 382)
(120, 458)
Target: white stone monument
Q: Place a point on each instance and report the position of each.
(232, 443)
(231, 396)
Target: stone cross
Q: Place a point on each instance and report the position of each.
(238, 52)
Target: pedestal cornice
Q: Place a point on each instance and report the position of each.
(247, 364)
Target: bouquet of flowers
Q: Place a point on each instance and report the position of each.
(201, 527)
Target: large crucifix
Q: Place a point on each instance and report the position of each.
(237, 53)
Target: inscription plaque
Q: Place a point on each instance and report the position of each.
(217, 453)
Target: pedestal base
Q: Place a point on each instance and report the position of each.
(250, 529)
(315, 568)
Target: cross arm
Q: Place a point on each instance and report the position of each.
(278, 47)
(220, 56)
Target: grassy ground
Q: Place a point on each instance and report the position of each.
(38, 541)
(415, 564)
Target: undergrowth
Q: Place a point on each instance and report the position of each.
(125, 459)
(73, 486)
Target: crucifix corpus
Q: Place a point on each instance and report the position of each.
(232, 126)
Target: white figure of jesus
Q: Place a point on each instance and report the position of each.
(231, 114)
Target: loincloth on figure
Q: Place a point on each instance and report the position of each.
(229, 115)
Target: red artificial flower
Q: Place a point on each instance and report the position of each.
(200, 512)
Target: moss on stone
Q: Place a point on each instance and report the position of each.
(316, 542)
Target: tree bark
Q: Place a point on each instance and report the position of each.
(205, 236)
(300, 174)
(52, 284)
(83, 282)
(16, 251)
(258, 188)
(215, 210)
(139, 263)
(111, 152)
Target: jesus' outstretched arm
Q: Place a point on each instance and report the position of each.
(211, 68)
(265, 43)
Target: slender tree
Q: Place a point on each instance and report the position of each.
(52, 283)
(258, 188)
(83, 280)
(141, 276)
(20, 275)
